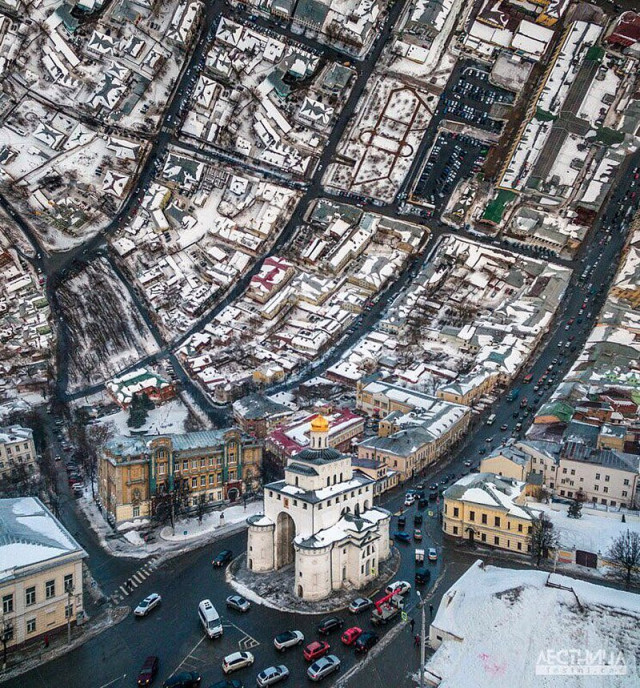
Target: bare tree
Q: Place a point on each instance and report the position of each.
(624, 555)
(543, 538)
(89, 442)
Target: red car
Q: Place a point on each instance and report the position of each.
(316, 649)
(351, 635)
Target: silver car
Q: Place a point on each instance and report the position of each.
(150, 602)
(360, 604)
(272, 675)
(323, 667)
(239, 603)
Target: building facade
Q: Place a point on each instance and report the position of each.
(258, 415)
(135, 473)
(484, 508)
(40, 572)
(320, 518)
(17, 449)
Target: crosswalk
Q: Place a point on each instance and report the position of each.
(135, 580)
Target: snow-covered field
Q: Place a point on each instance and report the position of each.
(168, 418)
(107, 333)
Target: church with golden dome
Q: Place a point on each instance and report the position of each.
(321, 520)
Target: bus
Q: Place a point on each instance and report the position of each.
(528, 378)
(491, 419)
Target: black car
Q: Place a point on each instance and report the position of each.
(222, 558)
(422, 503)
(423, 575)
(185, 679)
(366, 641)
(417, 520)
(402, 521)
(330, 624)
(148, 671)
(227, 683)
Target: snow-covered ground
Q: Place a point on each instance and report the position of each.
(502, 627)
(168, 418)
(190, 529)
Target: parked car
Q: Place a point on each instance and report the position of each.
(402, 536)
(222, 558)
(237, 660)
(227, 683)
(316, 649)
(350, 636)
(185, 679)
(272, 675)
(366, 641)
(360, 604)
(288, 639)
(324, 667)
(148, 671)
(148, 604)
(417, 534)
(402, 521)
(399, 587)
(330, 624)
(238, 603)
(433, 555)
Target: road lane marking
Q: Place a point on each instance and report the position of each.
(191, 651)
(104, 685)
(124, 592)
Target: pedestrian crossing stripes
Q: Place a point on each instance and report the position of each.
(135, 580)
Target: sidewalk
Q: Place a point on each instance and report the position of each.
(126, 541)
(26, 659)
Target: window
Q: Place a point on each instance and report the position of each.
(624, 493)
(136, 512)
(472, 515)
(529, 530)
(626, 481)
(519, 527)
(295, 502)
(573, 472)
(455, 530)
(320, 505)
(203, 481)
(304, 506)
(596, 488)
(483, 537)
(68, 611)
(564, 470)
(597, 476)
(605, 489)
(50, 589)
(456, 512)
(185, 465)
(194, 482)
(194, 463)
(30, 596)
(7, 604)
(162, 469)
(484, 518)
(496, 521)
(202, 463)
(606, 478)
(212, 479)
(31, 625)
(519, 545)
(496, 540)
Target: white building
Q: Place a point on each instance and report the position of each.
(321, 518)
(17, 448)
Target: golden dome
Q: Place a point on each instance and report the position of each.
(319, 424)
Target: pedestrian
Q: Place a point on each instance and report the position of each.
(46, 640)
(416, 640)
(412, 623)
(431, 611)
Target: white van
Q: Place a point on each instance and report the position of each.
(210, 619)
(491, 419)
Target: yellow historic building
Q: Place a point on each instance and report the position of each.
(40, 572)
(134, 473)
(486, 508)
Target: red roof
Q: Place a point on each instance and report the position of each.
(627, 30)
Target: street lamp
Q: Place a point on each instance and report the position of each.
(7, 634)
(423, 631)
(69, 591)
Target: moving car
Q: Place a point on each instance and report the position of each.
(351, 635)
(148, 671)
(360, 604)
(272, 675)
(316, 649)
(366, 641)
(402, 536)
(227, 683)
(324, 667)
(237, 660)
(222, 558)
(330, 624)
(433, 555)
(238, 603)
(185, 679)
(409, 500)
(423, 575)
(398, 587)
(210, 619)
(288, 639)
(150, 602)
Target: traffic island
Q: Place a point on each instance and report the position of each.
(275, 589)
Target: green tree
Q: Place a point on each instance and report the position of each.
(137, 412)
(575, 509)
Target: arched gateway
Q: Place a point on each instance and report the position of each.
(320, 518)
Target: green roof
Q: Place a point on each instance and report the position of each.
(495, 208)
(312, 12)
(559, 409)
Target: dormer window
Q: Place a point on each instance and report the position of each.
(296, 481)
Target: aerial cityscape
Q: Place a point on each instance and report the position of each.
(320, 343)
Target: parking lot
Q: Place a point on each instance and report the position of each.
(471, 96)
(453, 157)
